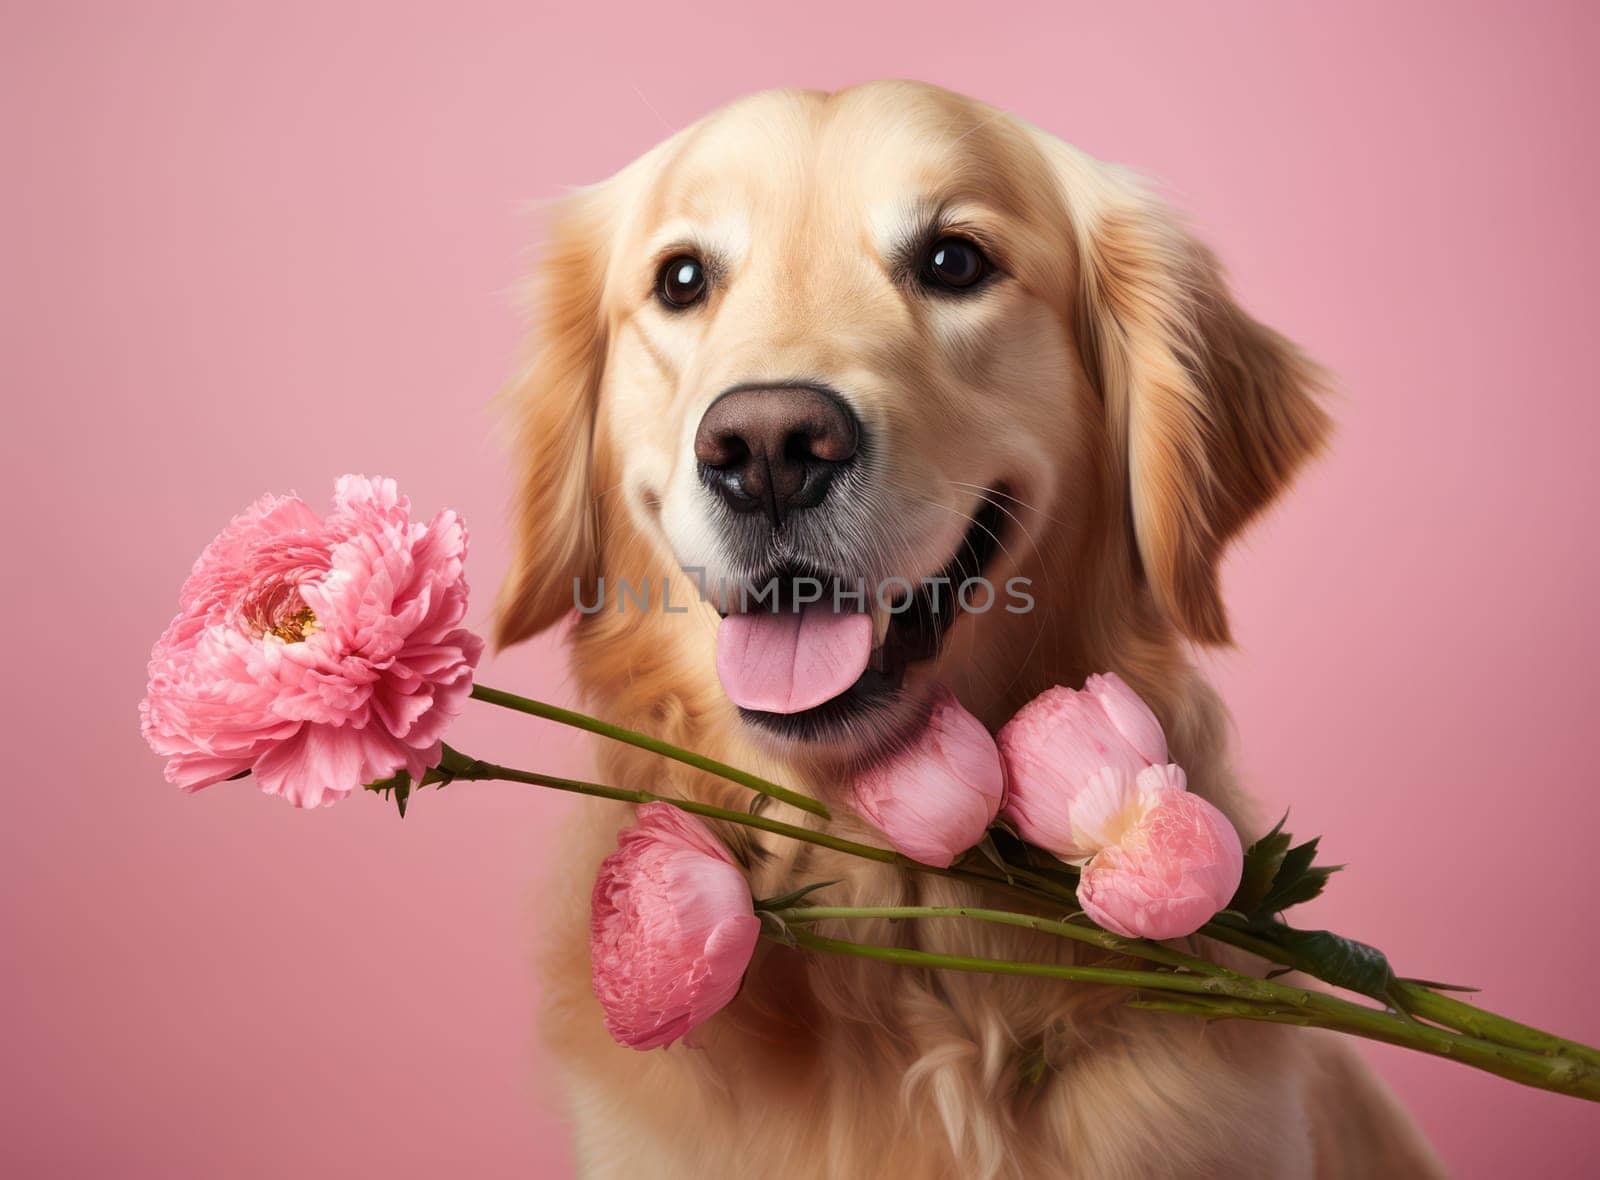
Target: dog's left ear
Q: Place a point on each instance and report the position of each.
(1212, 412)
(554, 401)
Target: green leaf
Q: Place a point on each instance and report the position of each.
(1332, 958)
(1297, 891)
(1298, 859)
(1279, 874)
(1262, 860)
(1033, 1066)
(1006, 851)
(775, 927)
(1061, 874)
(400, 785)
(786, 900)
(384, 785)
(1434, 985)
(990, 852)
(397, 785)
(453, 763)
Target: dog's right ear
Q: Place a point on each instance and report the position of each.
(1211, 413)
(553, 401)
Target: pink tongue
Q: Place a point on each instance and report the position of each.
(785, 661)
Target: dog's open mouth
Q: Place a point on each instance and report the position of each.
(807, 653)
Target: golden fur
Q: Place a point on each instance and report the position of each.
(1139, 417)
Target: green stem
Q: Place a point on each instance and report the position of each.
(520, 704)
(1207, 978)
(1042, 883)
(1222, 997)
(477, 770)
(1113, 976)
(1089, 935)
(1418, 1000)
(1559, 1074)
(1468, 1018)
(1222, 980)
(1496, 1044)
(1225, 1008)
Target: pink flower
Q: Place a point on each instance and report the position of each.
(1176, 863)
(671, 929)
(317, 654)
(1059, 746)
(937, 798)
(1088, 780)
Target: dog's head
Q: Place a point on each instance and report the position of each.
(879, 367)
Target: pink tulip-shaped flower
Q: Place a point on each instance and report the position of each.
(671, 928)
(319, 654)
(1059, 747)
(1087, 779)
(1175, 864)
(936, 799)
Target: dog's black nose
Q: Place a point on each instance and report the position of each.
(775, 450)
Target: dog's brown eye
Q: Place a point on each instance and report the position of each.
(682, 281)
(954, 263)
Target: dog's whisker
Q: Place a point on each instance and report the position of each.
(999, 542)
(992, 119)
(1043, 622)
(976, 664)
(1004, 495)
(671, 130)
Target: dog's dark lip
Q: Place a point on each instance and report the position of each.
(914, 635)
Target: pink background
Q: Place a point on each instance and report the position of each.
(254, 248)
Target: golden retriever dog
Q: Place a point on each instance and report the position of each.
(892, 333)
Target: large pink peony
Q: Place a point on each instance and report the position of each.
(937, 797)
(319, 654)
(672, 928)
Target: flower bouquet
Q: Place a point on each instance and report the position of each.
(320, 656)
